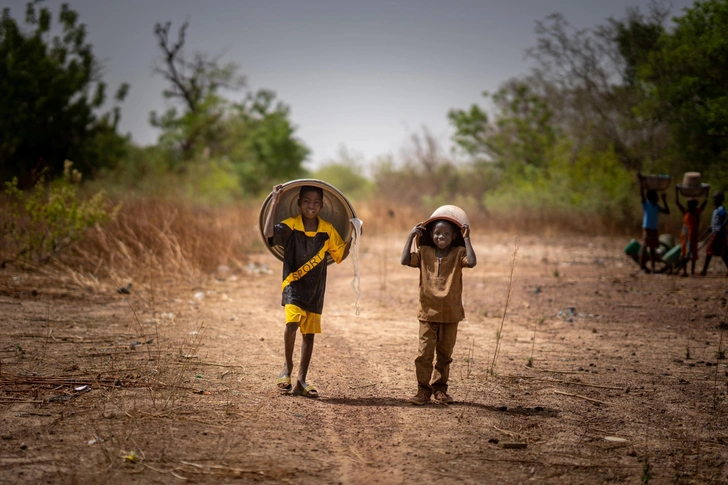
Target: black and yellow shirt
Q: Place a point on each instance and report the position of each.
(304, 260)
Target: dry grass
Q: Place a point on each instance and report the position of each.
(509, 292)
(162, 240)
(154, 241)
(382, 216)
(199, 403)
(386, 213)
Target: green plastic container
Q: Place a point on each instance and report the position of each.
(668, 240)
(673, 255)
(633, 248)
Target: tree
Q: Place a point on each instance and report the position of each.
(687, 73)
(50, 93)
(254, 134)
(592, 75)
(259, 140)
(522, 134)
(195, 83)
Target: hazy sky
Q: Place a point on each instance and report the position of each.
(364, 75)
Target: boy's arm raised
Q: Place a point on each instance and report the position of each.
(677, 201)
(665, 209)
(269, 220)
(705, 202)
(469, 252)
(642, 186)
(407, 250)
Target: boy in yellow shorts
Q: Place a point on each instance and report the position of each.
(305, 239)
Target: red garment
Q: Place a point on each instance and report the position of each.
(690, 236)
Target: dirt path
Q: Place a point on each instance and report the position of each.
(627, 382)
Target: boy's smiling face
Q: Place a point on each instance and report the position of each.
(443, 233)
(310, 204)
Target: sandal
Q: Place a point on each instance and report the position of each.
(307, 390)
(284, 383)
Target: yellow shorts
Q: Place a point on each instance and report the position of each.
(308, 322)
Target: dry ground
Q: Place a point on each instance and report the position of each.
(628, 386)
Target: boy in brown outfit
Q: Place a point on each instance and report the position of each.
(444, 249)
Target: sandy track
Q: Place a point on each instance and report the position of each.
(637, 360)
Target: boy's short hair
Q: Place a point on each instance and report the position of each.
(718, 196)
(453, 226)
(311, 188)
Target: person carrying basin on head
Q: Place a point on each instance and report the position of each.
(306, 240)
(650, 236)
(442, 250)
(690, 234)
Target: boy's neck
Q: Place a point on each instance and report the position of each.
(310, 225)
(442, 253)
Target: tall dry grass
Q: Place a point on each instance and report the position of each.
(164, 239)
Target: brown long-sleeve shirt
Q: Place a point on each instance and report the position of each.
(441, 284)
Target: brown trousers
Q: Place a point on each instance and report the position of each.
(435, 338)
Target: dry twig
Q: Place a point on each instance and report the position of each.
(597, 401)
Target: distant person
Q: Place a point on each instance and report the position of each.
(650, 235)
(717, 243)
(440, 301)
(305, 239)
(690, 234)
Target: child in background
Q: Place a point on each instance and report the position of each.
(690, 234)
(441, 305)
(306, 239)
(717, 242)
(650, 235)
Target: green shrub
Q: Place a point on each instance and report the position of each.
(41, 223)
(575, 188)
(347, 177)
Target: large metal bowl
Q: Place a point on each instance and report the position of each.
(337, 210)
(656, 182)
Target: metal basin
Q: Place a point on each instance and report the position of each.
(656, 182)
(337, 210)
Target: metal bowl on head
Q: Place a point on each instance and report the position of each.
(336, 209)
(656, 182)
(450, 213)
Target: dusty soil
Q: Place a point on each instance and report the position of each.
(626, 382)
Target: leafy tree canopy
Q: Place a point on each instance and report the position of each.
(255, 135)
(521, 135)
(50, 93)
(687, 71)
